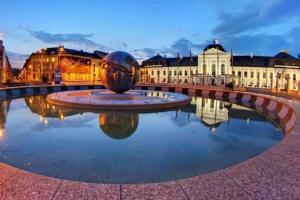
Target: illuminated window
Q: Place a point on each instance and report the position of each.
(222, 69)
(53, 59)
(213, 69)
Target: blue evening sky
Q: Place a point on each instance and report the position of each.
(147, 27)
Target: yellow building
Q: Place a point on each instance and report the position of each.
(6, 74)
(215, 66)
(73, 65)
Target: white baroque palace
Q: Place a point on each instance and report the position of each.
(215, 66)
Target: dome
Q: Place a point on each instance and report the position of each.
(214, 46)
(118, 125)
(119, 71)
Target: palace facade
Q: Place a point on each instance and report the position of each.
(73, 65)
(215, 66)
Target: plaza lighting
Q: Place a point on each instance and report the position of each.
(61, 117)
(2, 131)
(248, 120)
(45, 121)
(213, 130)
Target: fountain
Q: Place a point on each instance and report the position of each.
(119, 73)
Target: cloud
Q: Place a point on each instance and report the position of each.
(257, 14)
(144, 53)
(17, 60)
(124, 44)
(76, 40)
(260, 44)
(184, 46)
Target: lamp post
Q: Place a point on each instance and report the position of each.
(59, 73)
(287, 78)
(42, 63)
(277, 81)
(271, 78)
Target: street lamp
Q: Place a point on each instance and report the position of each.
(60, 51)
(278, 76)
(42, 68)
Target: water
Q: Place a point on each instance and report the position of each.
(112, 147)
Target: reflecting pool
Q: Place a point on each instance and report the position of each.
(130, 147)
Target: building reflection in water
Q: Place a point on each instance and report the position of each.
(118, 125)
(4, 108)
(40, 106)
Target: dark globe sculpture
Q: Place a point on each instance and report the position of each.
(119, 71)
(118, 125)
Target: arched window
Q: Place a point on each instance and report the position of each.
(222, 69)
(204, 69)
(213, 69)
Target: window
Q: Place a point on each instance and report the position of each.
(271, 75)
(204, 69)
(252, 75)
(294, 77)
(152, 73)
(233, 73)
(180, 73)
(164, 72)
(197, 72)
(213, 69)
(258, 75)
(212, 103)
(175, 73)
(239, 74)
(264, 75)
(245, 74)
(222, 69)
(158, 72)
(185, 73)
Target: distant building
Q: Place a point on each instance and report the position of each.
(5, 66)
(74, 65)
(215, 66)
